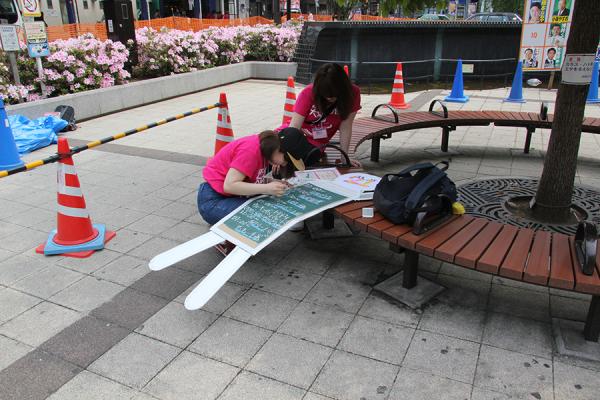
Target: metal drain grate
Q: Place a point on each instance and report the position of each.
(487, 198)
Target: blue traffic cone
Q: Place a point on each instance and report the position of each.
(516, 91)
(9, 156)
(592, 96)
(457, 95)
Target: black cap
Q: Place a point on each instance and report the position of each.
(297, 148)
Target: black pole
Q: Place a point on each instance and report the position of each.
(289, 10)
(276, 12)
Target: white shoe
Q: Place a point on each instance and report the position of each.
(297, 227)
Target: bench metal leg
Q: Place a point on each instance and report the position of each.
(328, 219)
(591, 331)
(411, 268)
(375, 146)
(445, 138)
(530, 132)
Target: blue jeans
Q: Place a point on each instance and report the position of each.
(213, 206)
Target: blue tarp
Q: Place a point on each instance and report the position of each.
(35, 134)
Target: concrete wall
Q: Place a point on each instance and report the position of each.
(94, 103)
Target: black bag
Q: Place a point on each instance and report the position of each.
(68, 114)
(419, 188)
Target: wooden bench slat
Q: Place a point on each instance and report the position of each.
(352, 206)
(469, 255)
(583, 283)
(363, 223)
(435, 237)
(378, 227)
(351, 216)
(392, 234)
(561, 263)
(538, 266)
(493, 256)
(514, 262)
(448, 250)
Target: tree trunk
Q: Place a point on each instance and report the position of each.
(553, 198)
(276, 12)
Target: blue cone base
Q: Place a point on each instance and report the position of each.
(97, 243)
(11, 166)
(457, 99)
(515, 100)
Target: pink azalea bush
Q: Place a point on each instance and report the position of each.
(86, 63)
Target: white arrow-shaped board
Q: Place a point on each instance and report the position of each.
(184, 250)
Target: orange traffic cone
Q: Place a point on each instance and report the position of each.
(75, 235)
(224, 131)
(290, 100)
(347, 71)
(397, 100)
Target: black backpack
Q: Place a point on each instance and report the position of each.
(421, 189)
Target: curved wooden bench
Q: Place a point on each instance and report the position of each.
(537, 257)
(376, 128)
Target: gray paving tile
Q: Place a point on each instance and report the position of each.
(415, 385)
(251, 272)
(125, 270)
(91, 264)
(251, 386)
(152, 248)
(306, 259)
(323, 325)
(35, 376)
(89, 386)
(129, 308)
(288, 282)
(185, 231)
(39, 323)
(84, 341)
(13, 303)
(5, 254)
(378, 340)
(230, 341)
(176, 210)
(456, 321)
(520, 302)
(48, 281)
(569, 308)
(518, 334)
(168, 283)
(464, 273)
(513, 373)
(176, 325)
(464, 292)
(483, 394)
(314, 396)
(190, 375)
(574, 383)
(264, 309)
(348, 376)
(127, 240)
(385, 309)
(443, 356)
(22, 240)
(290, 360)
(87, 294)
(221, 301)
(12, 350)
(134, 361)
(356, 269)
(152, 224)
(348, 296)
(20, 266)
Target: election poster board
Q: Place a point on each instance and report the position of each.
(546, 27)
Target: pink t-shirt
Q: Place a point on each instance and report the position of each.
(242, 154)
(305, 106)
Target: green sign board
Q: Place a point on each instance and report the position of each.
(257, 221)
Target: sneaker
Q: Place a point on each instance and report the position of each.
(225, 248)
(297, 227)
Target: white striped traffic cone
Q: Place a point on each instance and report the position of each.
(224, 131)
(397, 100)
(75, 235)
(290, 101)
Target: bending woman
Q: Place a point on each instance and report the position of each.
(327, 105)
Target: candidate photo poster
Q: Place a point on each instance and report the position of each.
(545, 32)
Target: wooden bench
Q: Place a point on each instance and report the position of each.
(537, 257)
(376, 128)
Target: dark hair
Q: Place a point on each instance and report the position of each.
(331, 81)
(269, 143)
(526, 50)
(551, 49)
(535, 4)
(554, 25)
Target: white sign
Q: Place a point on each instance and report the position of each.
(31, 8)
(468, 68)
(10, 40)
(35, 32)
(111, 28)
(577, 69)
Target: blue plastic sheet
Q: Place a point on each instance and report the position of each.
(34, 134)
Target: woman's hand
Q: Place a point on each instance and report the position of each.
(276, 188)
(355, 163)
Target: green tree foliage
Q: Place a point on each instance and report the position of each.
(515, 6)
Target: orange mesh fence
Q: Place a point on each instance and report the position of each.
(75, 30)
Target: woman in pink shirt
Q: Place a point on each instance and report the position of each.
(327, 105)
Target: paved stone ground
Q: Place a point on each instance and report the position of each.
(300, 320)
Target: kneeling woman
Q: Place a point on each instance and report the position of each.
(237, 172)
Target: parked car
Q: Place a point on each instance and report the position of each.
(495, 17)
(434, 17)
